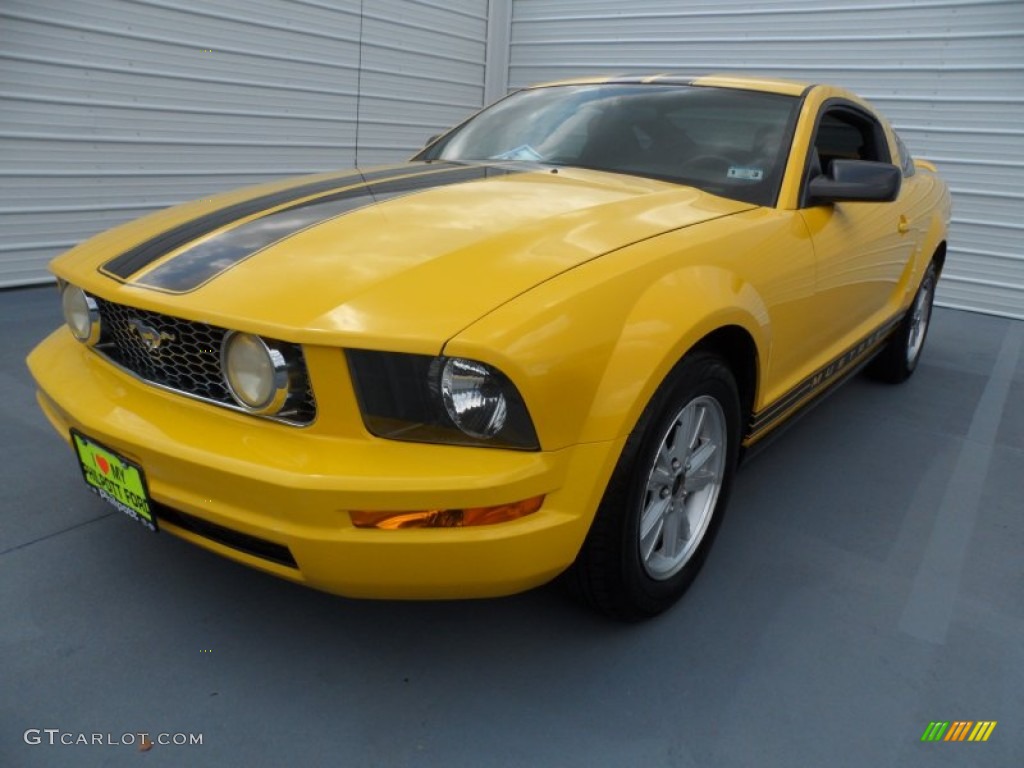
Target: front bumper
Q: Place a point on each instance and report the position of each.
(233, 480)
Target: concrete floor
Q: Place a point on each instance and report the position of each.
(867, 581)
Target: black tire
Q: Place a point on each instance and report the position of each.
(900, 355)
(611, 572)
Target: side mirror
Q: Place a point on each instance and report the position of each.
(432, 139)
(856, 181)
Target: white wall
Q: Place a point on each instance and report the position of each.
(110, 109)
(948, 73)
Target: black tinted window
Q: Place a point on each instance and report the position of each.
(906, 160)
(847, 134)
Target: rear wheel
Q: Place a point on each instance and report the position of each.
(664, 503)
(897, 361)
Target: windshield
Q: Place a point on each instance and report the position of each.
(729, 142)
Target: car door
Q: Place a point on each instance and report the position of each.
(861, 248)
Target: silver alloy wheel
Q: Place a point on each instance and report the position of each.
(920, 315)
(682, 487)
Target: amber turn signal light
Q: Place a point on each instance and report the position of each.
(447, 518)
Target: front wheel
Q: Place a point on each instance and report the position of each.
(665, 500)
(898, 359)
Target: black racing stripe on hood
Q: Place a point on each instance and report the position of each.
(142, 255)
(204, 261)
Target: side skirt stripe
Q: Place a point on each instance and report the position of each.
(818, 383)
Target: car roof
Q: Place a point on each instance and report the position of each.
(741, 82)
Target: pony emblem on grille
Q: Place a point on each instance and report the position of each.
(151, 337)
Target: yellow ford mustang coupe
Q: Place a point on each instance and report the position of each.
(543, 344)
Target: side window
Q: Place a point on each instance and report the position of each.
(845, 133)
(906, 161)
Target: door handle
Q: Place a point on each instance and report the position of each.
(904, 225)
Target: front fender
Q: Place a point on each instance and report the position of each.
(668, 320)
(589, 348)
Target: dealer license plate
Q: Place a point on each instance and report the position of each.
(114, 479)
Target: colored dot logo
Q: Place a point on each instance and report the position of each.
(206, 650)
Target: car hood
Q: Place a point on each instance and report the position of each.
(405, 256)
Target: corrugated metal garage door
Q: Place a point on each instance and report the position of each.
(948, 73)
(109, 109)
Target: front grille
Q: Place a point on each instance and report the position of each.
(186, 357)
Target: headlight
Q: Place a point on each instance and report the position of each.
(81, 313)
(255, 372)
(439, 400)
(474, 397)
